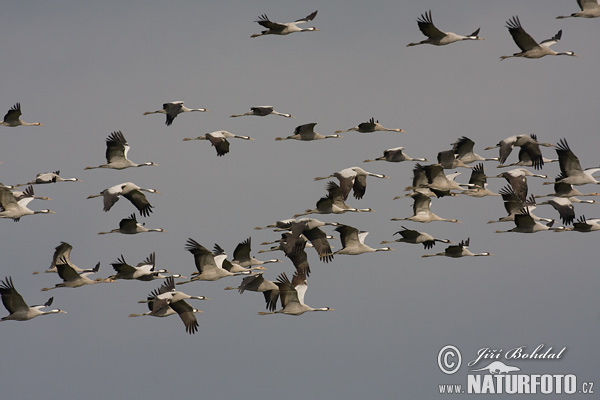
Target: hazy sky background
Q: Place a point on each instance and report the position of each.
(87, 69)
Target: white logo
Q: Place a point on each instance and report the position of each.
(447, 366)
(500, 378)
(498, 367)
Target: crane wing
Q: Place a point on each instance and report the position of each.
(426, 26)
(11, 299)
(309, 17)
(521, 38)
(13, 114)
(553, 40)
(264, 21)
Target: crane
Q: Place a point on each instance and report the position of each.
(209, 266)
(371, 126)
(116, 153)
(63, 251)
(478, 183)
(219, 140)
(353, 178)
(415, 237)
(353, 241)
(396, 154)
(528, 143)
(130, 226)
(525, 223)
(72, 278)
(283, 28)
(307, 132)
(257, 283)
(173, 109)
(422, 211)
(12, 118)
(437, 37)
(16, 306)
(458, 250)
(10, 207)
(589, 9)
(131, 192)
(49, 177)
(529, 47)
(333, 203)
(165, 297)
(292, 296)
(143, 271)
(262, 111)
(570, 167)
(241, 256)
(585, 225)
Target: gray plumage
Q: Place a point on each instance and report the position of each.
(63, 252)
(74, 279)
(130, 226)
(525, 223)
(528, 143)
(143, 271)
(12, 208)
(586, 225)
(208, 265)
(242, 257)
(458, 251)
(16, 306)
(173, 109)
(422, 211)
(166, 301)
(262, 111)
(218, 139)
(529, 47)
(307, 132)
(396, 154)
(353, 241)
(292, 296)
(437, 37)
(415, 237)
(131, 192)
(370, 126)
(12, 118)
(116, 153)
(49, 177)
(589, 9)
(570, 168)
(514, 203)
(283, 28)
(257, 283)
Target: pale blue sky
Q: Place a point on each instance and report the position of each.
(85, 70)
